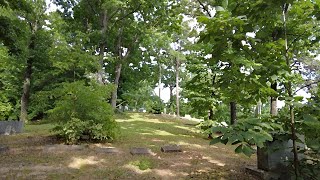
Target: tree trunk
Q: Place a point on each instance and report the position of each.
(233, 112)
(212, 96)
(160, 81)
(290, 94)
(26, 92)
(273, 101)
(117, 70)
(210, 114)
(171, 94)
(116, 83)
(100, 77)
(27, 76)
(177, 87)
(104, 25)
(258, 108)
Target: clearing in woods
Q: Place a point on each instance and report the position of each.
(36, 154)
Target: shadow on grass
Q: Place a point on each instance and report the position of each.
(86, 164)
(123, 115)
(32, 162)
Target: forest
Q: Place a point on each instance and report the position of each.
(249, 69)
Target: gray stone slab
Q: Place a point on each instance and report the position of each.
(171, 148)
(108, 150)
(276, 155)
(4, 149)
(10, 127)
(62, 147)
(140, 151)
(261, 174)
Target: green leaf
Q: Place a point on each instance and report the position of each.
(247, 150)
(298, 98)
(215, 140)
(203, 19)
(225, 141)
(274, 78)
(309, 118)
(219, 8)
(239, 149)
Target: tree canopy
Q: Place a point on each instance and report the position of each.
(220, 60)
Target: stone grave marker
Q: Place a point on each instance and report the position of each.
(140, 151)
(108, 150)
(10, 127)
(62, 147)
(277, 154)
(171, 148)
(4, 149)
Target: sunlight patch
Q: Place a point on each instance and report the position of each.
(210, 160)
(136, 169)
(77, 163)
(198, 146)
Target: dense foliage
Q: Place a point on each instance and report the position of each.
(226, 61)
(82, 110)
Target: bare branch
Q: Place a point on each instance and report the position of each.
(204, 8)
(308, 85)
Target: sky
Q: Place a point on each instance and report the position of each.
(51, 6)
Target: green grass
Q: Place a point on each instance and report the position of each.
(143, 163)
(198, 160)
(38, 129)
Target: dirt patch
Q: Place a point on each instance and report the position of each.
(44, 157)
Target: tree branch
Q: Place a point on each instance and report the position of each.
(131, 12)
(204, 8)
(307, 85)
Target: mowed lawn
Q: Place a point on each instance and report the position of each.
(37, 154)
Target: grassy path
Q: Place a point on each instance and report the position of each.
(36, 155)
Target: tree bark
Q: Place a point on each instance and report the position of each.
(233, 112)
(290, 94)
(27, 75)
(171, 94)
(212, 96)
(116, 83)
(160, 81)
(258, 108)
(26, 92)
(104, 25)
(273, 101)
(177, 87)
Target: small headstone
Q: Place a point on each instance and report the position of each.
(126, 108)
(171, 148)
(261, 174)
(85, 137)
(108, 150)
(62, 147)
(141, 151)
(4, 149)
(7, 131)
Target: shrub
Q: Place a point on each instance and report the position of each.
(5, 108)
(82, 110)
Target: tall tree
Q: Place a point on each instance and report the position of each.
(30, 15)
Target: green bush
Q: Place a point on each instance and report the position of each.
(82, 110)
